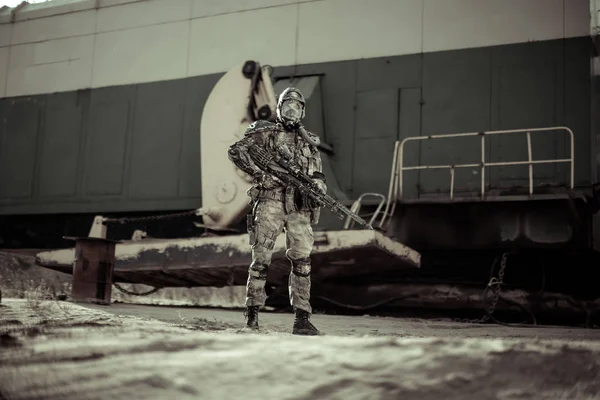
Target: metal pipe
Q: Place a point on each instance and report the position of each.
(398, 182)
(534, 162)
(451, 183)
(401, 167)
(498, 132)
(392, 186)
(482, 166)
(489, 164)
(441, 166)
(572, 137)
(391, 203)
(379, 207)
(392, 211)
(530, 157)
(358, 204)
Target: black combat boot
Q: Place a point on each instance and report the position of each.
(252, 317)
(302, 325)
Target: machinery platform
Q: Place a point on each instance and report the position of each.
(219, 261)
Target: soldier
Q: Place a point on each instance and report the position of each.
(276, 208)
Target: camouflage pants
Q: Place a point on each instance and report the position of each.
(270, 220)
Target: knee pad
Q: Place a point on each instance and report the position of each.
(301, 267)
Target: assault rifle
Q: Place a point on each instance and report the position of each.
(291, 174)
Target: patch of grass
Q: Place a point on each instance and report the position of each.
(20, 278)
(42, 289)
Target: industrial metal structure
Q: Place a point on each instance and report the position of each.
(244, 94)
(467, 133)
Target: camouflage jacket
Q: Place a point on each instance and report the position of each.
(269, 135)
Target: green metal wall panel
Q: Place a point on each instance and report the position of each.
(136, 147)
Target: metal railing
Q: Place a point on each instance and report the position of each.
(356, 206)
(396, 187)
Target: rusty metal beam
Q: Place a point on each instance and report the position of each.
(93, 270)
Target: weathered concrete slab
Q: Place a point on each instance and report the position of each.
(223, 260)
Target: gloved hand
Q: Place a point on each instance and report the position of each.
(313, 204)
(258, 177)
(267, 181)
(322, 186)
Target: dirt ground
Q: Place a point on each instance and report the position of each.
(53, 349)
(59, 350)
(356, 326)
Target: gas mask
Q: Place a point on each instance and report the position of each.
(290, 107)
(291, 110)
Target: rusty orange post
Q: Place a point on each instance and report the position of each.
(93, 270)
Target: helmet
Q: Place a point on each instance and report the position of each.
(290, 106)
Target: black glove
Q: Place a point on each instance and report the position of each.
(321, 185)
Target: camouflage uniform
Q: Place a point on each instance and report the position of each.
(277, 208)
